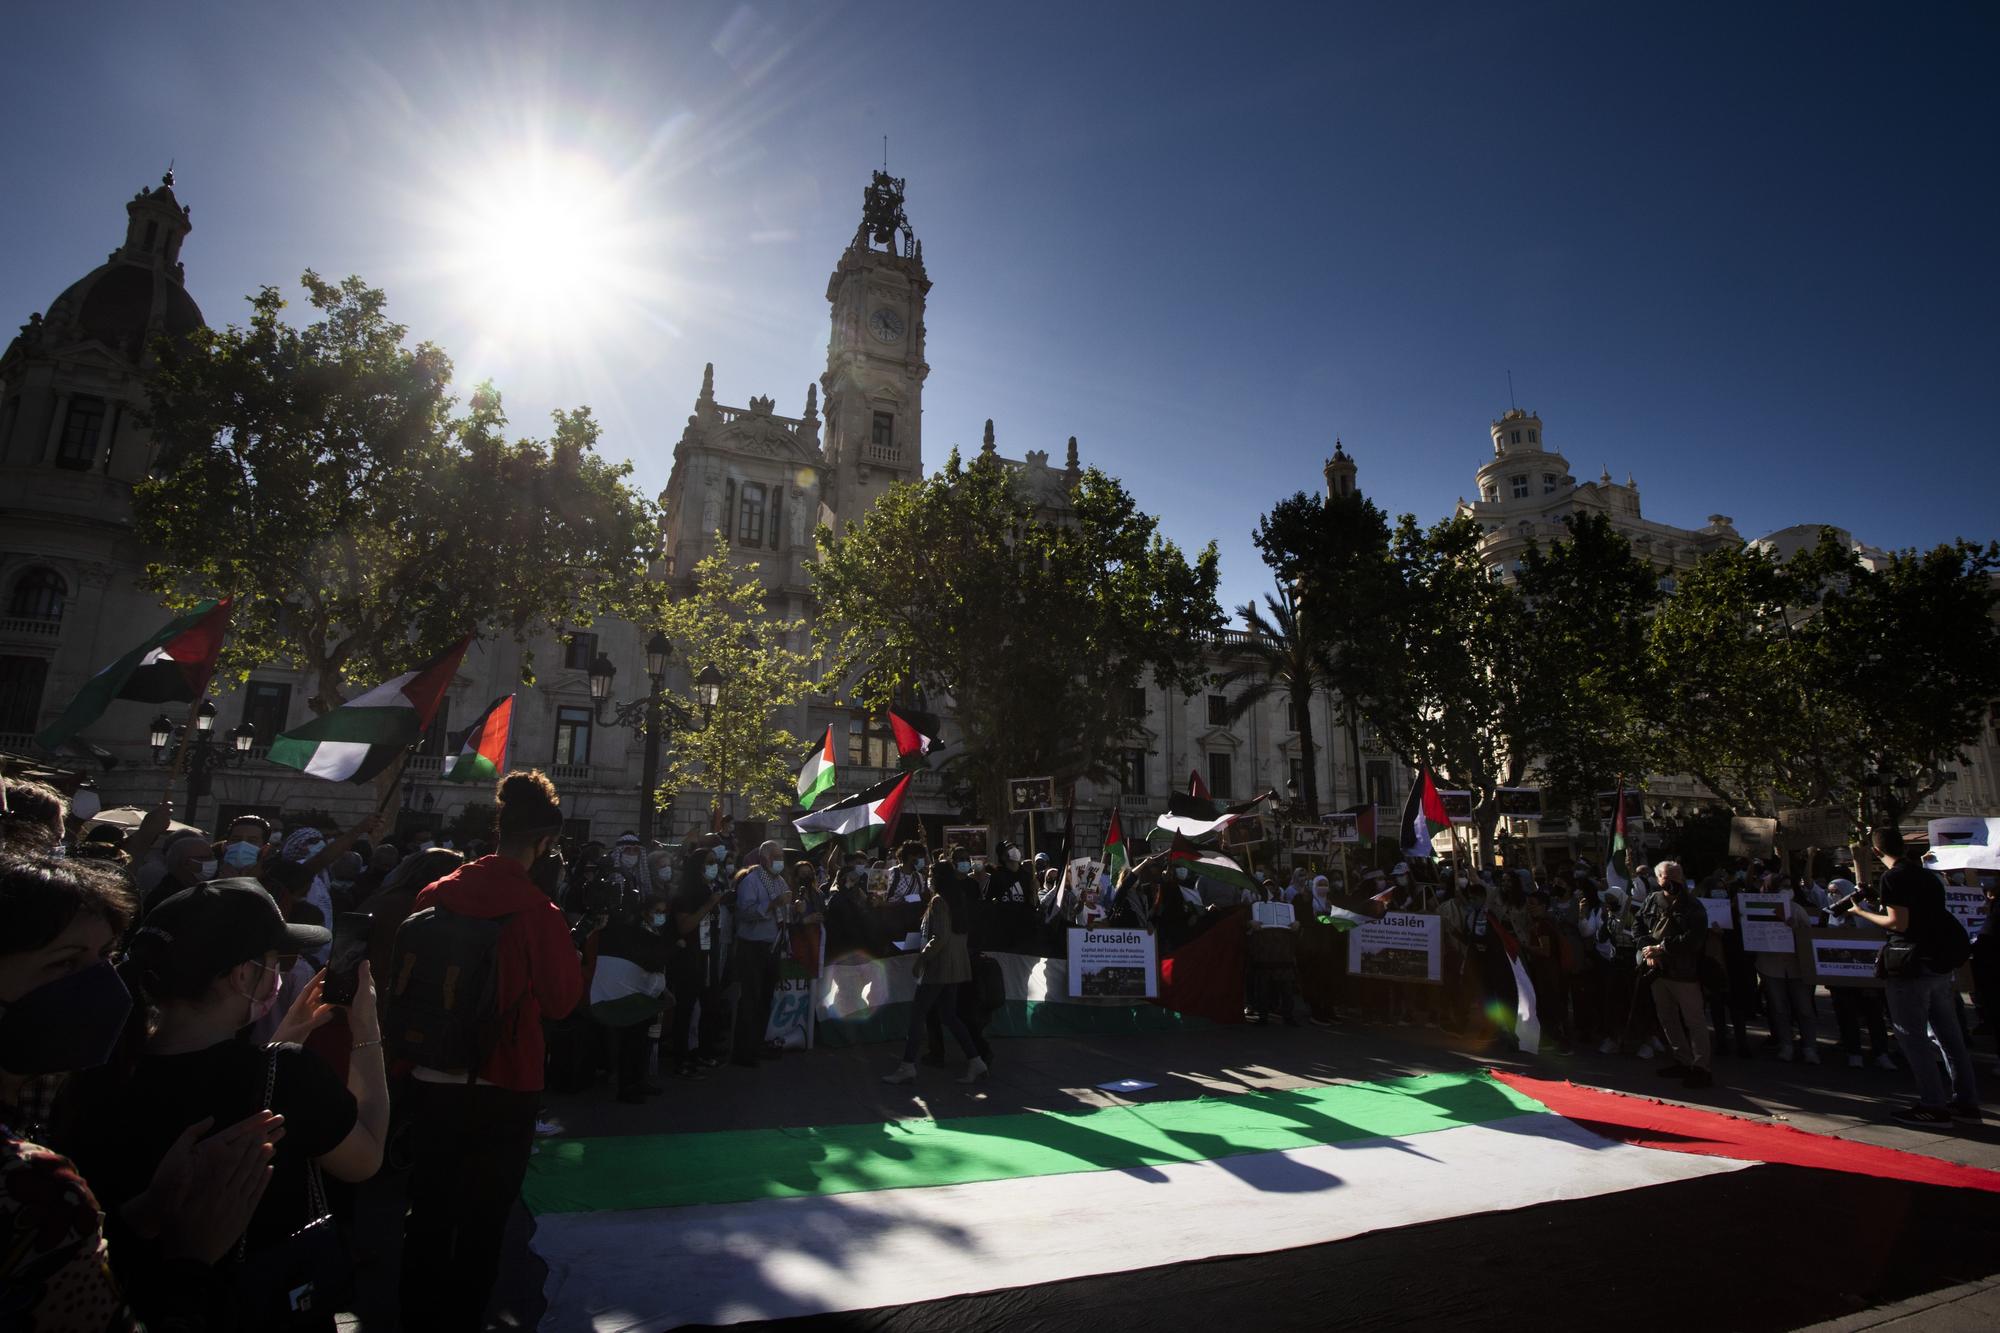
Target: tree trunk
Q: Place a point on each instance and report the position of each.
(1308, 762)
(1353, 712)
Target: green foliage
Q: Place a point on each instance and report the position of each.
(1583, 664)
(1035, 625)
(738, 753)
(323, 475)
(1282, 655)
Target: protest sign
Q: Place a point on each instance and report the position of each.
(1846, 958)
(1113, 964)
(1968, 905)
(1273, 914)
(974, 838)
(1457, 804)
(1750, 836)
(1720, 912)
(1031, 794)
(1402, 946)
(1518, 802)
(1310, 839)
(1243, 831)
(1766, 928)
(1082, 884)
(1815, 826)
(1342, 828)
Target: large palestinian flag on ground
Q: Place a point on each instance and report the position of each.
(483, 752)
(171, 667)
(856, 820)
(363, 736)
(1406, 1202)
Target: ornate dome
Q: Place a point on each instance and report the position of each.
(124, 304)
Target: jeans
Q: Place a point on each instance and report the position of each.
(1922, 1008)
(943, 999)
(1852, 1007)
(1681, 1018)
(471, 1149)
(1792, 999)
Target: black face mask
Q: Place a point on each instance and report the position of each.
(70, 1023)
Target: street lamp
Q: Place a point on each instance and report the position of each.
(709, 686)
(203, 754)
(640, 715)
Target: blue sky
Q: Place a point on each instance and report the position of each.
(1742, 252)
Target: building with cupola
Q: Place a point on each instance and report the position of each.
(1526, 490)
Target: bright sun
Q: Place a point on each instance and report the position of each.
(545, 248)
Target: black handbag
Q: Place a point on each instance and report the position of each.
(1898, 957)
(302, 1280)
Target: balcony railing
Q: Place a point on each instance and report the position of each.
(570, 772)
(31, 627)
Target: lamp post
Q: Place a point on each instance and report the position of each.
(642, 716)
(204, 755)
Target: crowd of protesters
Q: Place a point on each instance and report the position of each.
(188, 1110)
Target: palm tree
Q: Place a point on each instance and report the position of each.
(1283, 654)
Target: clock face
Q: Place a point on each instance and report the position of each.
(886, 325)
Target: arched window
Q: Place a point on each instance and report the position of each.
(39, 594)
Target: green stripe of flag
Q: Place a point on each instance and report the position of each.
(671, 1170)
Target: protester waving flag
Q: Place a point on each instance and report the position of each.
(362, 737)
(1115, 858)
(482, 756)
(1209, 863)
(916, 733)
(173, 666)
(816, 778)
(1616, 873)
(1423, 816)
(1528, 1022)
(856, 820)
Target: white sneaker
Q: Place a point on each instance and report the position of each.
(1786, 1053)
(975, 1069)
(1609, 1046)
(1883, 1061)
(1854, 1061)
(1647, 1050)
(545, 1128)
(905, 1073)
(1811, 1055)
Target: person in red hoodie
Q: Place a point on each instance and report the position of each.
(472, 1141)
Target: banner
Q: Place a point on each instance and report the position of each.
(1122, 964)
(1342, 828)
(1765, 927)
(1846, 958)
(1402, 946)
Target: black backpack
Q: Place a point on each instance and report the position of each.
(442, 1005)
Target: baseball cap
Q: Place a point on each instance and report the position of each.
(206, 930)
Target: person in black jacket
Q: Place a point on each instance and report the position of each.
(1680, 934)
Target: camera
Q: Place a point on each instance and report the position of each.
(593, 886)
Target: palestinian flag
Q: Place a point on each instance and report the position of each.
(172, 667)
(358, 740)
(1208, 863)
(816, 778)
(1527, 1014)
(1224, 1210)
(1364, 822)
(1115, 859)
(856, 820)
(916, 733)
(626, 990)
(483, 754)
(1196, 787)
(1617, 874)
(1423, 815)
(1198, 817)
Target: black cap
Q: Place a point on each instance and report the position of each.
(208, 929)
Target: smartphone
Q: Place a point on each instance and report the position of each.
(345, 957)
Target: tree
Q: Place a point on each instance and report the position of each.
(1036, 624)
(736, 750)
(1587, 601)
(1458, 702)
(1282, 656)
(1334, 552)
(321, 476)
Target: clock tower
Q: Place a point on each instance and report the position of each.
(874, 381)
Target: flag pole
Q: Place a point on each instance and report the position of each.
(181, 751)
(395, 784)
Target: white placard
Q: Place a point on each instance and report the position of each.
(1968, 905)
(1766, 927)
(1402, 946)
(1113, 964)
(1721, 912)
(1851, 959)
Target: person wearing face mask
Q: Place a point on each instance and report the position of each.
(63, 1009)
(207, 960)
(243, 845)
(186, 860)
(762, 899)
(473, 1129)
(1010, 913)
(942, 966)
(692, 975)
(1322, 952)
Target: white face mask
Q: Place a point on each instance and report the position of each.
(711, 870)
(206, 868)
(1181, 873)
(265, 996)
(1013, 856)
(659, 919)
(962, 867)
